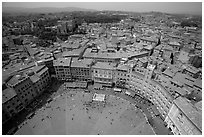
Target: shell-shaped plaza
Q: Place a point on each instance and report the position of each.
(75, 113)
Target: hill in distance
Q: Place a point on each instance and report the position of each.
(42, 9)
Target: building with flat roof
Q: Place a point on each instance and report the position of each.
(101, 56)
(176, 45)
(73, 53)
(23, 86)
(11, 104)
(62, 68)
(102, 72)
(40, 77)
(191, 71)
(121, 75)
(71, 45)
(184, 118)
(136, 82)
(149, 40)
(47, 60)
(81, 69)
(155, 92)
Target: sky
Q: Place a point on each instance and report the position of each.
(169, 7)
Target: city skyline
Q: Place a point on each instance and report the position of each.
(167, 7)
(79, 71)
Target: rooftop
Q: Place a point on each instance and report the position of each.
(89, 54)
(44, 55)
(151, 67)
(70, 45)
(159, 47)
(122, 67)
(181, 91)
(34, 78)
(16, 79)
(81, 63)
(182, 79)
(38, 68)
(8, 94)
(190, 111)
(104, 65)
(199, 105)
(198, 83)
(42, 71)
(11, 68)
(151, 39)
(183, 56)
(73, 53)
(62, 62)
(143, 60)
(148, 47)
(167, 47)
(191, 69)
(174, 43)
(168, 73)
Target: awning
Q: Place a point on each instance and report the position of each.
(128, 93)
(99, 97)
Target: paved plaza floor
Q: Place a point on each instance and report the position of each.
(73, 113)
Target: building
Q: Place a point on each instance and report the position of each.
(23, 86)
(149, 40)
(155, 92)
(175, 45)
(81, 69)
(191, 71)
(74, 53)
(142, 62)
(167, 53)
(102, 72)
(22, 89)
(160, 97)
(64, 27)
(47, 60)
(121, 75)
(8, 44)
(40, 77)
(11, 104)
(136, 82)
(71, 45)
(196, 94)
(101, 56)
(183, 118)
(62, 68)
